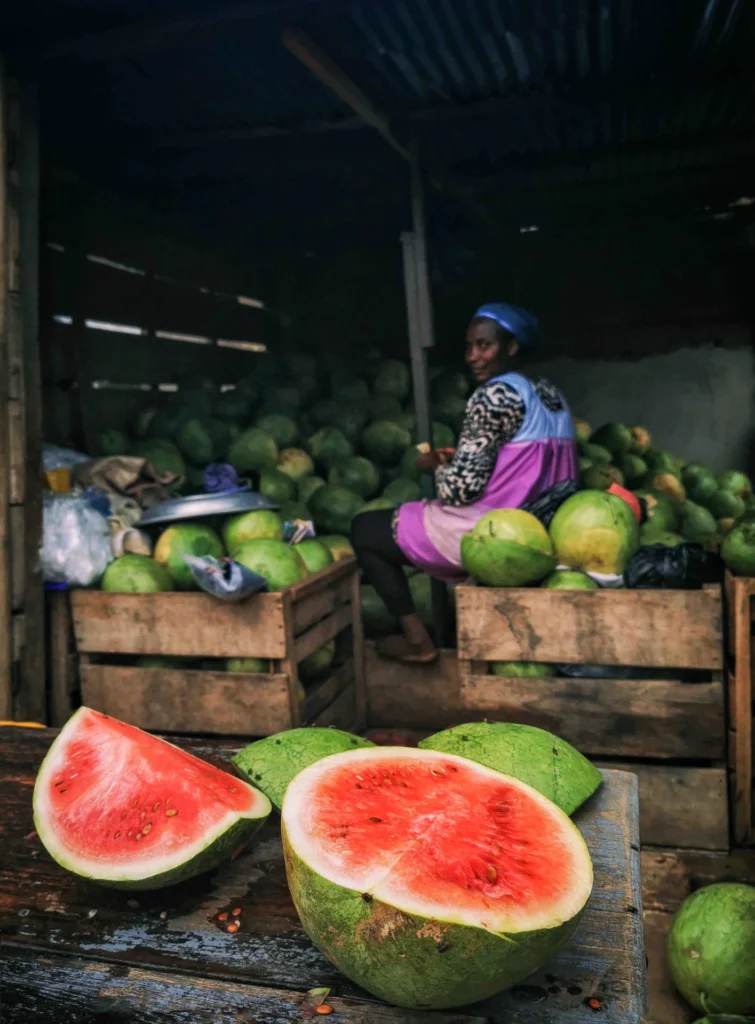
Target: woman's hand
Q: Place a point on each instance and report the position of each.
(428, 462)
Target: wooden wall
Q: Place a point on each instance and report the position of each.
(107, 261)
(22, 640)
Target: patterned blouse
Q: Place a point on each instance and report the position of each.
(494, 416)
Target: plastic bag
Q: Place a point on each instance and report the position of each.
(54, 457)
(222, 578)
(76, 541)
(684, 567)
(545, 506)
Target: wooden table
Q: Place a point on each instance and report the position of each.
(74, 953)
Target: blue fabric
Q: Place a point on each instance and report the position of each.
(540, 424)
(517, 321)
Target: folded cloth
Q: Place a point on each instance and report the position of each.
(129, 477)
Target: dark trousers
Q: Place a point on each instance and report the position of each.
(382, 560)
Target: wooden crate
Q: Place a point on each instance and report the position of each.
(283, 627)
(740, 592)
(671, 730)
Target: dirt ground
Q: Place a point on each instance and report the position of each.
(668, 876)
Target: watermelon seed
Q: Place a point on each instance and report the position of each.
(123, 815)
(63, 790)
(144, 815)
(130, 833)
(376, 820)
(136, 802)
(357, 786)
(117, 835)
(169, 813)
(452, 768)
(437, 771)
(388, 782)
(138, 835)
(147, 828)
(367, 897)
(157, 806)
(491, 874)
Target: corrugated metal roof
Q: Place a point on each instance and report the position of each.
(519, 92)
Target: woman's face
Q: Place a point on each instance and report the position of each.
(486, 356)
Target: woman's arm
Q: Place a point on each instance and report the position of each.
(494, 415)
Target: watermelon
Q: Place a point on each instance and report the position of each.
(128, 810)
(271, 763)
(710, 951)
(396, 855)
(546, 762)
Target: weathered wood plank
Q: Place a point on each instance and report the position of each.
(32, 700)
(605, 958)
(6, 656)
(189, 701)
(342, 569)
(423, 697)
(609, 717)
(341, 711)
(310, 641)
(64, 990)
(357, 636)
(179, 625)
(654, 629)
(325, 692)
(60, 644)
(316, 605)
(740, 609)
(681, 806)
(17, 557)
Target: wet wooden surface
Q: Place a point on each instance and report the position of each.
(73, 953)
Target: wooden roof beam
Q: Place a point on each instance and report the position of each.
(339, 83)
(172, 30)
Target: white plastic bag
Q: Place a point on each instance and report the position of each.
(76, 541)
(54, 457)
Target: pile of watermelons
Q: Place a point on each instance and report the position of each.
(328, 445)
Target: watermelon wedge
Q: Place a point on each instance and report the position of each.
(428, 879)
(128, 810)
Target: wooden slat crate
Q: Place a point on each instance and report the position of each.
(740, 592)
(281, 627)
(659, 724)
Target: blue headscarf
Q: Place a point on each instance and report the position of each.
(517, 321)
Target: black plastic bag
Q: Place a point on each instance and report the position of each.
(684, 567)
(547, 504)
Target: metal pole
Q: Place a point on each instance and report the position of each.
(421, 338)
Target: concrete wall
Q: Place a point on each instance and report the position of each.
(697, 402)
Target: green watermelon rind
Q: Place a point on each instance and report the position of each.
(212, 850)
(412, 960)
(534, 756)
(271, 763)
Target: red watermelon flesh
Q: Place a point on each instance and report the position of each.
(122, 807)
(389, 847)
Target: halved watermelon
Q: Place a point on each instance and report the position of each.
(428, 879)
(126, 809)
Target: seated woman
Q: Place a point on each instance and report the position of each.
(516, 442)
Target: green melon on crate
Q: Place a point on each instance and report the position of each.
(261, 522)
(185, 539)
(136, 574)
